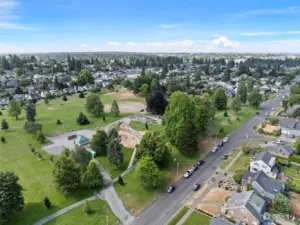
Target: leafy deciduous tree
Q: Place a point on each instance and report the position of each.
(220, 99)
(81, 156)
(94, 105)
(14, 109)
(92, 177)
(98, 143)
(255, 98)
(236, 104)
(282, 204)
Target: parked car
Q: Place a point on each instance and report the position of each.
(257, 113)
(195, 167)
(292, 136)
(225, 140)
(171, 188)
(196, 187)
(200, 162)
(273, 108)
(279, 142)
(225, 156)
(188, 173)
(266, 114)
(220, 144)
(214, 149)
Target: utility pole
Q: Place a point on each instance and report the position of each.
(177, 168)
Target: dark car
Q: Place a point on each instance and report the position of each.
(171, 189)
(196, 187)
(195, 167)
(220, 144)
(257, 113)
(200, 162)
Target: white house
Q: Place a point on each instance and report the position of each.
(264, 161)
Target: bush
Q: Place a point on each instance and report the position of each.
(291, 187)
(3, 139)
(283, 162)
(246, 150)
(254, 127)
(238, 176)
(263, 125)
(82, 119)
(120, 180)
(58, 122)
(0, 113)
(221, 130)
(277, 133)
(103, 118)
(51, 158)
(65, 98)
(146, 126)
(86, 208)
(225, 114)
(273, 120)
(41, 137)
(81, 95)
(40, 156)
(47, 203)
(229, 120)
(32, 150)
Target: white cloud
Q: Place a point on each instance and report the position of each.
(168, 26)
(8, 4)
(224, 42)
(288, 10)
(84, 46)
(113, 43)
(268, 33)
(13, 26)
(131, 44)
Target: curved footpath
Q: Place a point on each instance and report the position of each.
(108, 193)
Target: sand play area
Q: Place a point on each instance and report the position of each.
(217, 195)
(127, 139)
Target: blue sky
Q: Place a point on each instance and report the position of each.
(152, 26)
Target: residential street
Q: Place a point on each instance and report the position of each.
(168, 204)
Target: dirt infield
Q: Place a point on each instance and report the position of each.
(121, 95)
(217, 195)
(127, 107)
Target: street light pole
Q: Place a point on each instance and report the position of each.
(177, 168)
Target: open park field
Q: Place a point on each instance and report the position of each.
(36, 176)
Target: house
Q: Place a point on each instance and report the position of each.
(246, 207)
(81, 140)
(279, 150)
(221, 221)
(264, 186)
(289, 126)
(264, 161)
(290, 111)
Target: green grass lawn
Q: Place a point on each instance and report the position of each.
(111, 169)
(226, 162)
(139, 126)
(100, 215)
(197, 218)
(292, 171)
(241, 163)
(221, 121)
(134, 197)
(179, 215)
(36, 176)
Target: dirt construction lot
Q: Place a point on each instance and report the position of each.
(217, 195)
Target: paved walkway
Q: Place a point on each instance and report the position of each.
(64, 210)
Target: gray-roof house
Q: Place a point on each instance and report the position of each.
(280, 150)
(246, 207)
(266, 187)
(264, 161)
(292, 109)
(289, 126)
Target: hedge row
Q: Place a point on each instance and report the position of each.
(294, 159)
(293, 188)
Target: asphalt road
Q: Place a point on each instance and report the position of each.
(160, 212)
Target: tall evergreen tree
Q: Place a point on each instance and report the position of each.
(114, 152)
(30, 111)
(242, 92)
(236, 104)
(115, 109)
(4, 125)
(255, 98)
(11, 198)
(220, 99)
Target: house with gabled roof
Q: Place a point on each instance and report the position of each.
(264, 161)
(264, 186)
(246, 207)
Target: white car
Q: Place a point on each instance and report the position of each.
(225, 140)
(279, 142)
(214, 149)
(273, 108)
(188, 173)
(266, 114)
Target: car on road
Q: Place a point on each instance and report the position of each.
(257, 113)
(220, 144)
(196, 187)
(279, 142)
(225, 156)
(273, 108)
(187, 174)
(214, 149)
(195, 167)
(292, 136)
(200, 162)
(171, 188)
(225, 140)
(266, 114)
